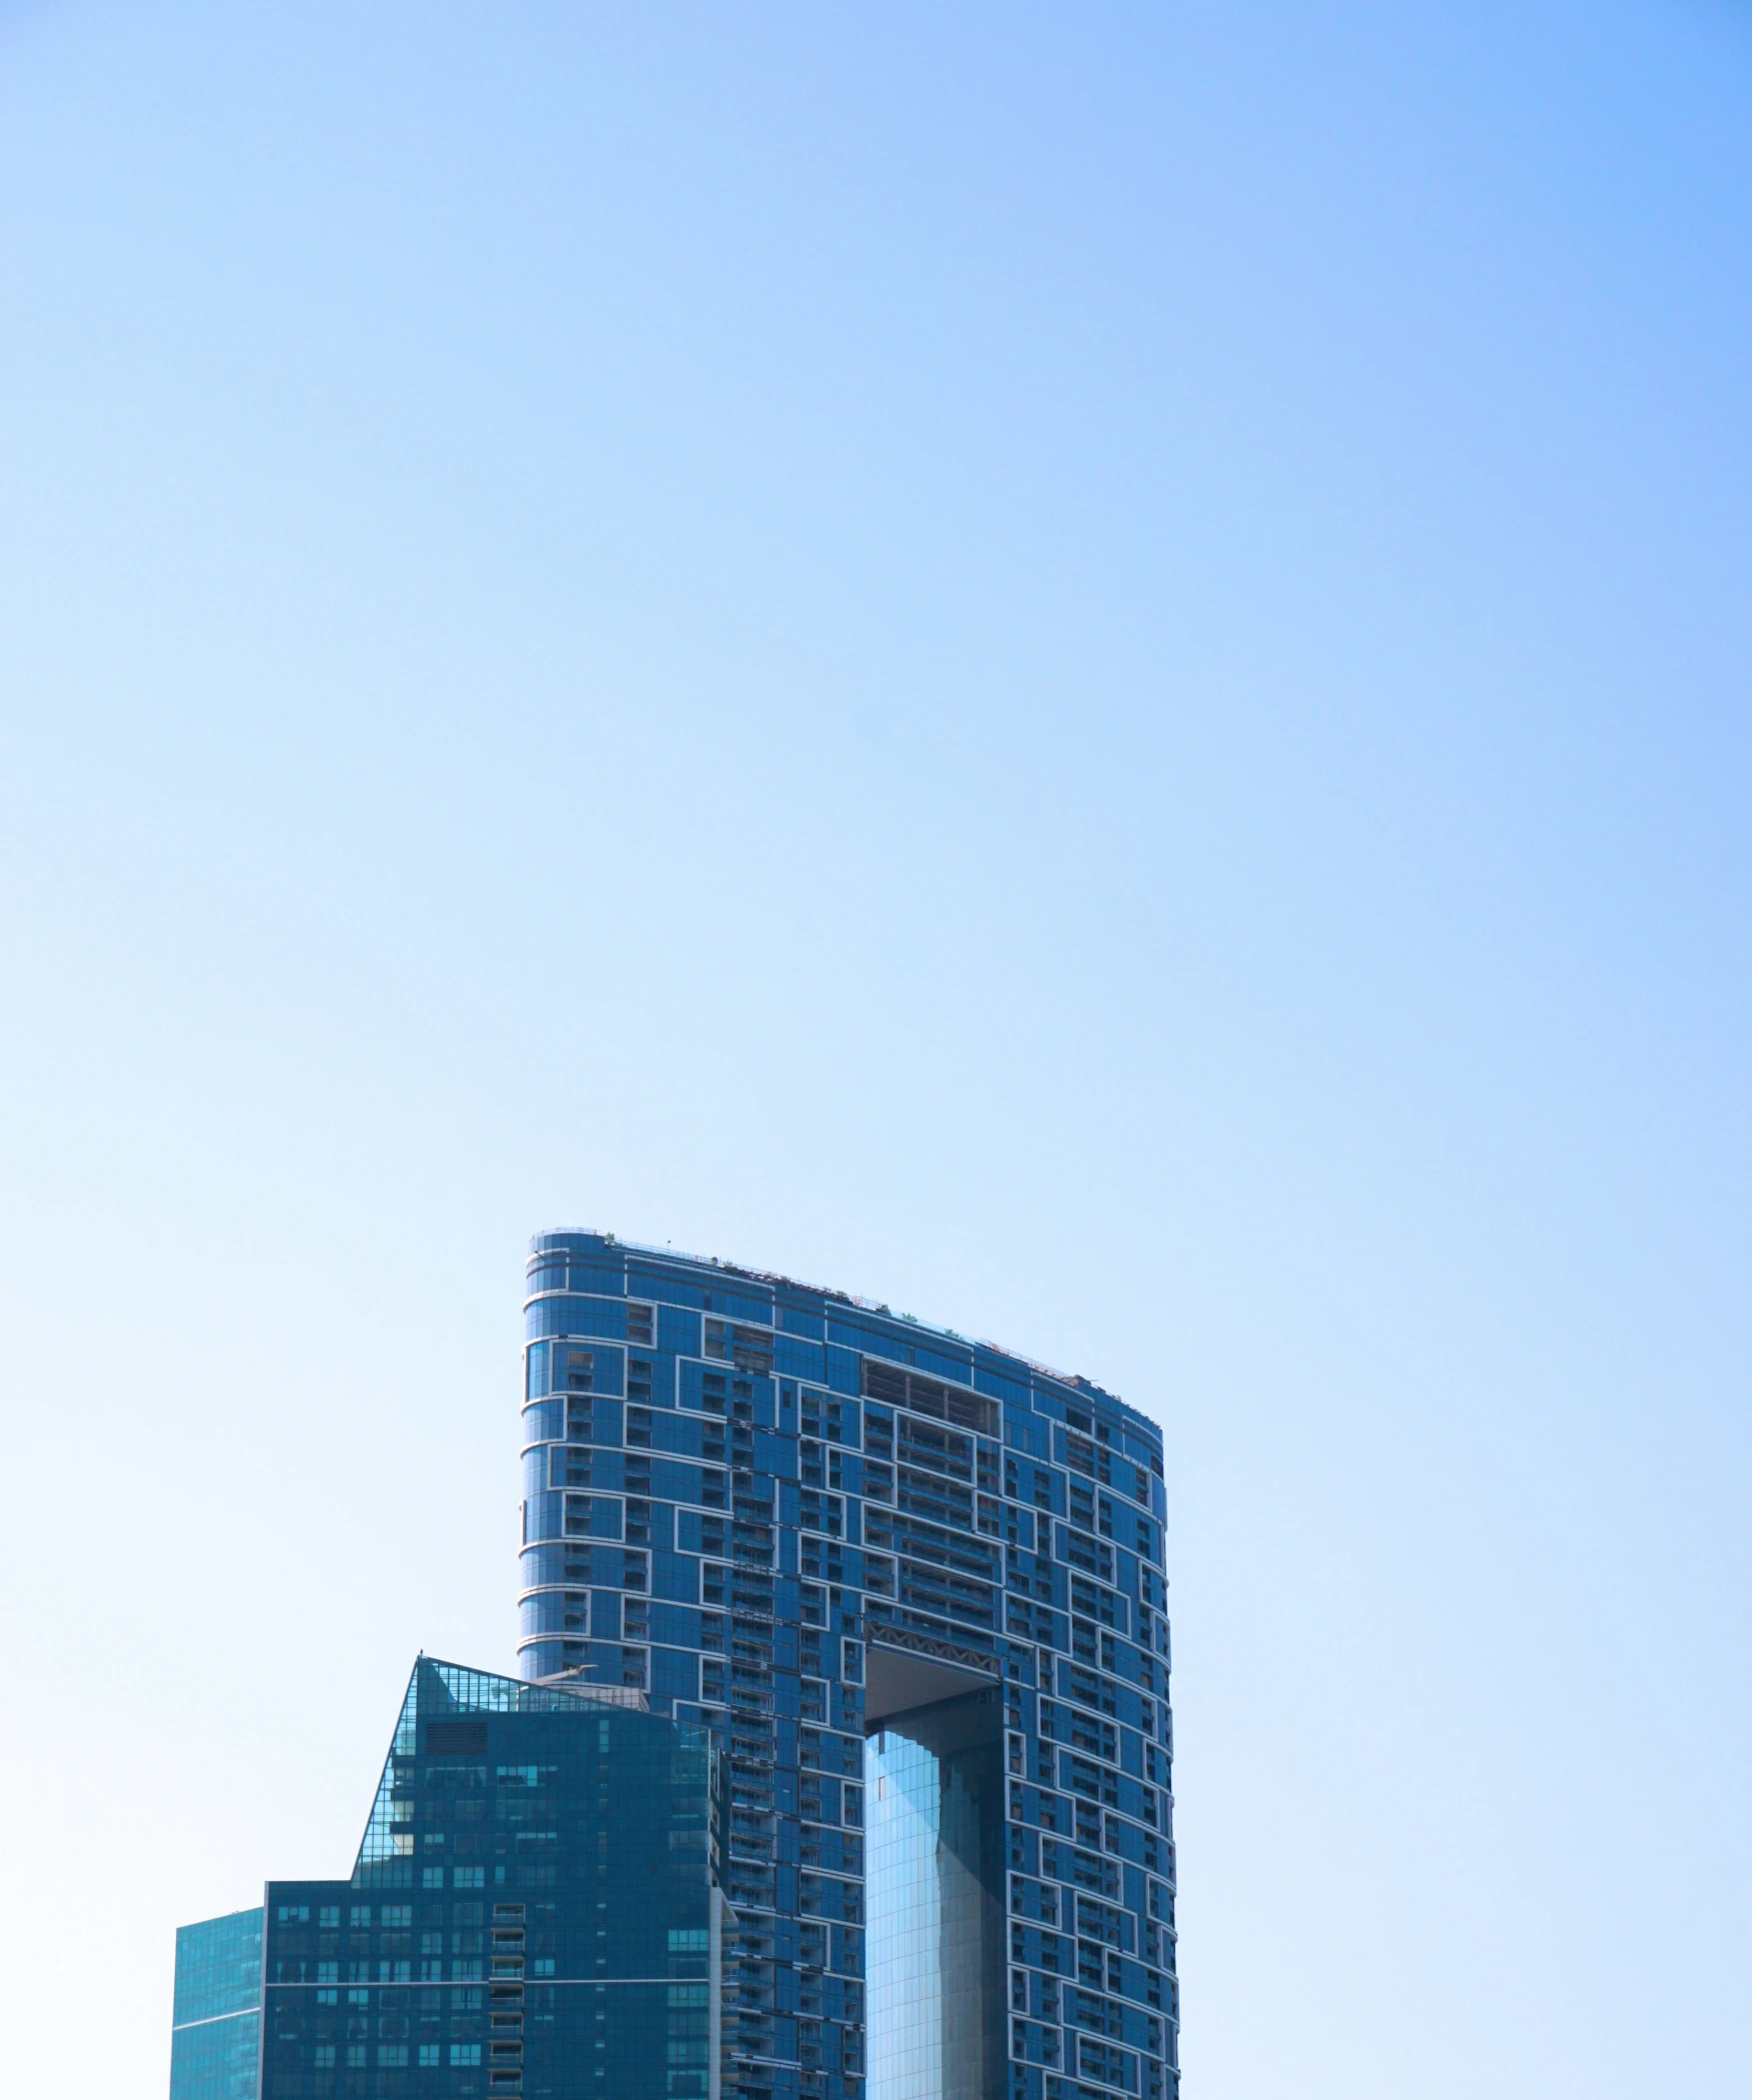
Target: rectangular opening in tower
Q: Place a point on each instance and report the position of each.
(934, 1884)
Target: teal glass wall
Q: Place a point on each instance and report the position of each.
(215, 2019)
(530, 1912)
(739, 1494)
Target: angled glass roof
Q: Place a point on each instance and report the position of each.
(440, 1691)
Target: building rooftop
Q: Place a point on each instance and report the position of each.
(877, 1328)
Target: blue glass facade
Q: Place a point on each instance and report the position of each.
(216, 2031)
(913, 1586)
(533, 1912)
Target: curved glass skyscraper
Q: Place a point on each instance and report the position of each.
(915, 1587)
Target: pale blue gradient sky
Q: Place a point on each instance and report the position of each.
(1086, 669)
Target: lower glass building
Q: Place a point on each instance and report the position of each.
(216, 2031)
(913, 1586)
(533, 1912)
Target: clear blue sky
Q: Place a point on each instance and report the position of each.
(1086, 669)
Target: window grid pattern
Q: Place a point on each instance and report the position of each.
(539, 1922)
